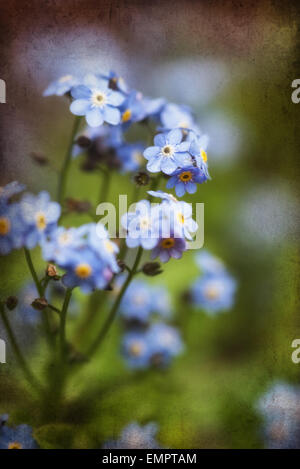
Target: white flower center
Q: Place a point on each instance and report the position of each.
(98, 99)
(65, 238)
(144, 223)
(167, 151)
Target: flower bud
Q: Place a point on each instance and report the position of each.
(83, 141)
(79, 206)
(39, 158)
(151, 269)
(39, 304)
(51, 271)
(141, 178)
(11, 302)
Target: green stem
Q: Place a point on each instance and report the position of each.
(41, 292)
(62, 328)
(102, 197)
(113, 312)
(17, 351)
(154, 185)
(96, 299)
(33, 272)
(64, 171)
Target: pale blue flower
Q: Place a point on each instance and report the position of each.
(141, 226)
(208, 263)
(279, 408)
(39, 215)
(97, 102)
(136, 350)
(169, 152)
(164, 342)
(214, 292)
(135, 436)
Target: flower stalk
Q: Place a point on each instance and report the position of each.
(64, 172)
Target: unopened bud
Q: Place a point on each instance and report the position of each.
(141, 178)
(11, 302)
(83, 141)
(51, 271)
(152, 269)
(39, 158)
(79, 206)
(39, 304)
(121, 264)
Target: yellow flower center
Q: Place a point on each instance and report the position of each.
(83, 270)
(15, 445)
(4, 226)
(167, 243)
(212, 292)
(65, 78)
(180, 218)
(109, 246)
(185, 176)
(126, 115)
(167, 150)
(183, 125)
(203, 155)
(136, 349)
(41, 222)
(98, 99)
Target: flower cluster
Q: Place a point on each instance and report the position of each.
(85, 253)
(214, 290)
(153, 347)
(179, 149)
(280, 409)
(162, 228)
(147, 342)
(25, 223)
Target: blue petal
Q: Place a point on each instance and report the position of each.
(183, 146)
(180, 189)
(168, 166)
(81, 92)
(79, 107)
(115, 98)
(132, 242)
(175, 136)
(171, 182)
(149, 243)
(194, 148)
(111, 115)
(160, 140)
(151, 152)
(191, 187)
(154, 165)
(94, 117)
(183, 158)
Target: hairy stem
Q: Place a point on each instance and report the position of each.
(17, 351)
(62, 328)
(64, 171)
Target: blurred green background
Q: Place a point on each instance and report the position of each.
(234, 65)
